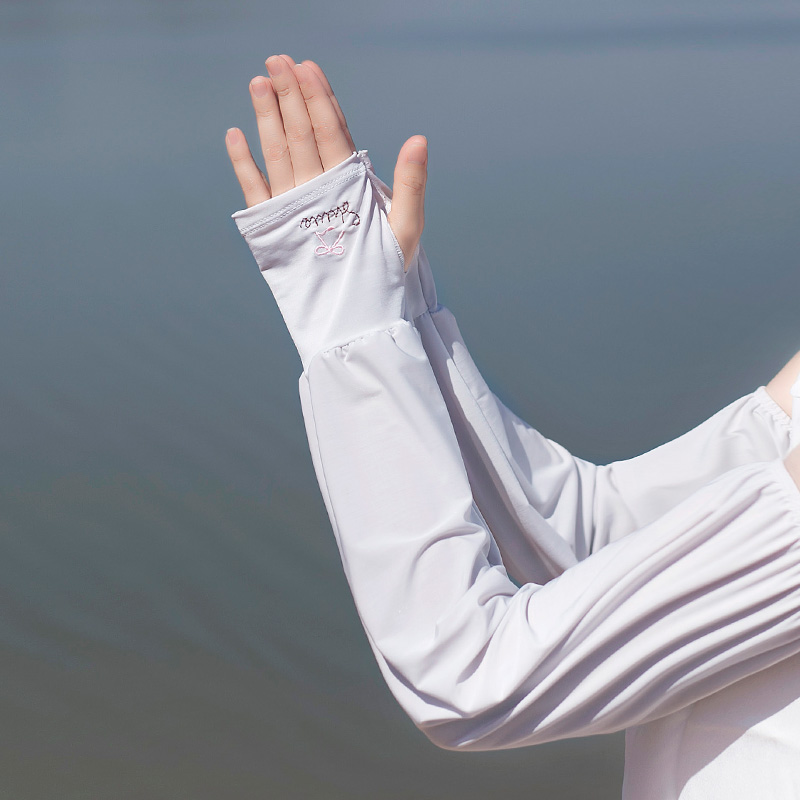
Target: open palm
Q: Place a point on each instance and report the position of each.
(303, 133)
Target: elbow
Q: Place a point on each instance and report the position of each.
(447, 725)
(455, 736)
(473, 736)
(470, 730)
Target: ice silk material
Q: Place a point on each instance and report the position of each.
(660, 595)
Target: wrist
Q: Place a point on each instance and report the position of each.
(329, 256)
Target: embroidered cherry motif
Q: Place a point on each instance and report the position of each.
(325, 249)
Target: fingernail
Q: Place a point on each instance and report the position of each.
(275, 65)
(232, 135)
(259, 87)
(418, 153)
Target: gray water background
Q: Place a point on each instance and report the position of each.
(612, 214)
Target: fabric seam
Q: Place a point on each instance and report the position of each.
(344, 345)
(767, 405)
(376, 185)
(334, 521)
(550, 558)
(294, 205)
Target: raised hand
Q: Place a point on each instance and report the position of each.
(303, 133)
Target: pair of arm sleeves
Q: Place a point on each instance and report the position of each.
(638, 588)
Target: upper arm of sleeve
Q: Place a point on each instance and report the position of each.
(699, 598)
(529, 487)
(750, 429)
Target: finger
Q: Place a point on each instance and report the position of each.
(331, 142)
(289, 59)
(251, 178)
(318, 70)
(277, 158)
(306, 163)
(407, 214)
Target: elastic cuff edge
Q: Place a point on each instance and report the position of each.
(294, 198)
(769, 406)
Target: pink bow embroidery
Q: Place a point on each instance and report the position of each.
(325, 249)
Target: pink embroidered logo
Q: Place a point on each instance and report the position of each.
(342, 214)
(326, 249)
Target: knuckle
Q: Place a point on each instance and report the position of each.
(265, 112)
(298, 134)
(274, 152)
(414, 182)
(324, 132)
(250, 182)
(284, 91)
(309, 92)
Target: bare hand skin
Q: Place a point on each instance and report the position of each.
(792, 464)
(778, 389)
(303, 133)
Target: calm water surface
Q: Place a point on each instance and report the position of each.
(612, 215)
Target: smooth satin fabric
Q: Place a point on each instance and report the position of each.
(651, 589)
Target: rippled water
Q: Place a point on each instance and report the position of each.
(612, 215)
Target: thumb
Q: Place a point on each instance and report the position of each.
(407, 214)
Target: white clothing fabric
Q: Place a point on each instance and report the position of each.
(651, 589)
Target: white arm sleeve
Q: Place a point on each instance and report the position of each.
(529, 487)
(694, 601)
(521, 479)
(700, 598)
